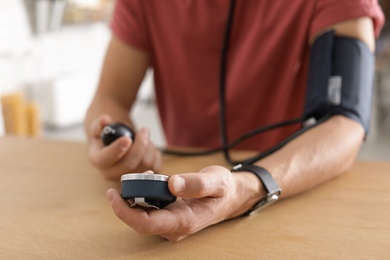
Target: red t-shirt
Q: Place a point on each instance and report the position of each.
(266, 68)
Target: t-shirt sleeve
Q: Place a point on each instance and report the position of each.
(330, 12)
(128, 23)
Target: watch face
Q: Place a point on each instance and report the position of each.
(265, 202)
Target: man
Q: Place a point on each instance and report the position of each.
(267, 68)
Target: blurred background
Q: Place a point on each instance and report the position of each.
(51, 52)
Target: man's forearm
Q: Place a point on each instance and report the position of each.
(316, 156)
(123, 71)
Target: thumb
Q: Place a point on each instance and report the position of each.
(198, 185)
(98, 124)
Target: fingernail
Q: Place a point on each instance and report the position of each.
(179, 184)
(110, 195)
(146, 132)
(124, 144)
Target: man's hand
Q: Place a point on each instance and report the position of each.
(123, 155)
(208, 197)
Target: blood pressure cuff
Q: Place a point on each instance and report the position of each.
(340, 80)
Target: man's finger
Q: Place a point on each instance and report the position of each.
(152, 222)
(107, 156)
(202, 184)
(138, 149)
(99, 123)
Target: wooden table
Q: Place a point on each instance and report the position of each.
(53, 206)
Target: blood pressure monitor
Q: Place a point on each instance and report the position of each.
(147, 190)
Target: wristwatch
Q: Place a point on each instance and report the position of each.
(270, 185)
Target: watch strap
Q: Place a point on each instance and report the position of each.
(270, 185)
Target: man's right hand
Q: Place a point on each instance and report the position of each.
(123, 155)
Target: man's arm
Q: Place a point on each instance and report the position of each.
(215, 194)
(123, 70)
(329, 149)
(320, 154)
